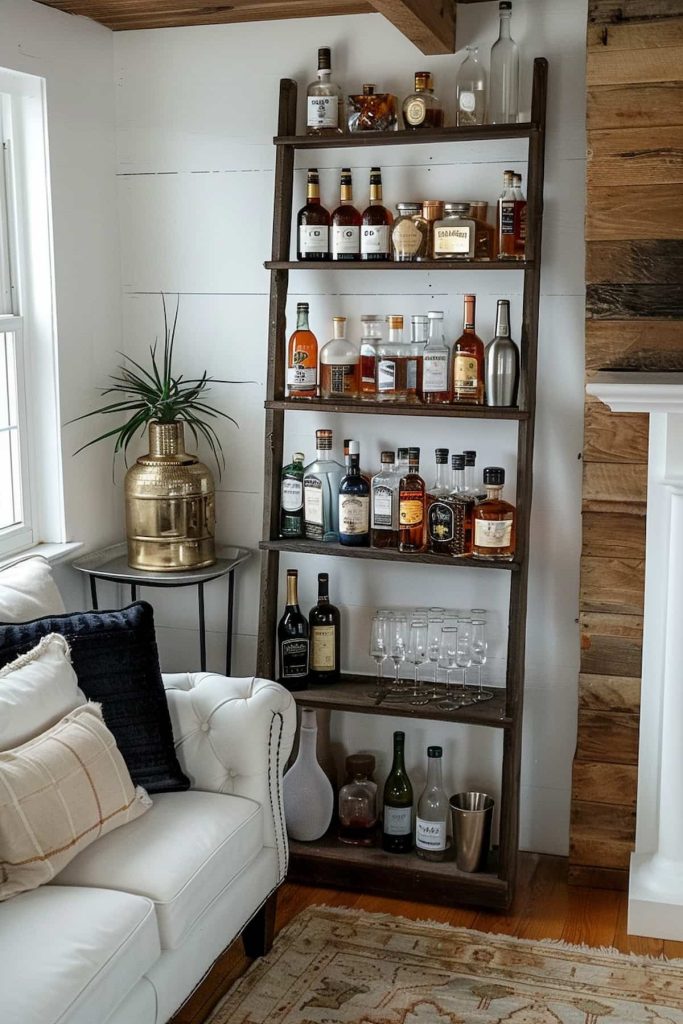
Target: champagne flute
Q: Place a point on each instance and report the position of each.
(417, 655)
(478, 650)
(448, 654)
(378, 651)
(434, 627)
(464, 656)
(398, 641)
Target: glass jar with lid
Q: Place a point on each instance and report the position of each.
(358, 802)
(409, 233)
(454, 234)
(372, 333)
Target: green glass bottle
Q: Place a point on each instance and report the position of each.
(292, 497)
(397, 829)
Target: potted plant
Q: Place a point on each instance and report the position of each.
(170, 494)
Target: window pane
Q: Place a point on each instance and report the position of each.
(10, 462)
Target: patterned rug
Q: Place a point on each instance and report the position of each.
(334, 966)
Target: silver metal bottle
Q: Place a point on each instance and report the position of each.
(502, 361)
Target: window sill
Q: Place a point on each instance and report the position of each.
(52, 553)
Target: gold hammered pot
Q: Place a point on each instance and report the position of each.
(170, 505)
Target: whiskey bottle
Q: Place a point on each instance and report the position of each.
(468, 361)
(292, 497)
(339, 364)
(419, 332)
(313, 223)
(433, 812)
(392, 364)
(505, 219)
(324, 100)
(463, 509)
(520, 217)
(302, 358)
(324, 623)
(440, 511)
(397, 828)
(346, 222)
(504, 94)
(372, 327)
(375, 238)
(494, 520)
(502, 361)
(354, 504)
(422, 109)
(292, 639)
(411, 506)
(321, 492)
(432, 380)
(384, 504)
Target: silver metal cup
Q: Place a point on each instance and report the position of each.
(472, 814)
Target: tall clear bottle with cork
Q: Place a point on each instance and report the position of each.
(504, 93)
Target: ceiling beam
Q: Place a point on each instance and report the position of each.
(429, 24)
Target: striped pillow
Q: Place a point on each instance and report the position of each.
(58, 793)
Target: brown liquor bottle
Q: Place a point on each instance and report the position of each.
(440, 511)
(520, 217)
(505, 220)
(302, 358)
(468, 361)
(313, 223)
(375, 234)
(463, 505)
(346, 222)
(494, 520)
(411, 506)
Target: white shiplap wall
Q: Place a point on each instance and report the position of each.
(196, 113)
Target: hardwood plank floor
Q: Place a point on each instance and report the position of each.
(546, 908)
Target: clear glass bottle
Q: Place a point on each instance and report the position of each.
(504, 94)
(419, 333)
(384, 504)
(494, 520)
(433, 812)
(440, 514)
(292, 497)
(358, 802)
(422, 109)
(485, 233)
(339, 364)
(463, 507)
(402, 462)
(372, 332)
(433, 377)
(411, 506)
(321, 491)
(354, 503)
(302, 358)
(345, 240)
(454, 233)
(472, 483)
(392, 360)
(470, 90)
(324, 100)
(502, 361)
(409, 233)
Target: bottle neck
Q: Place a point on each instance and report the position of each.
(323, 591)
(313, 193)
(441, 480)
(503, 319)
(292, 592)
(339, 330)
(396, 335)
(375, 192)
(302, 320)
(413, 468)
(346, 193)
(434, 773)
(494, 491)
(459, 483)
(468, 318)
(399, 762)
(419, 333)
(436, 337)
(467, 478)
(323, 454)
(504, 29)
(354, 465)
(324, 74)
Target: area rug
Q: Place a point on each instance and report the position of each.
(333, 966)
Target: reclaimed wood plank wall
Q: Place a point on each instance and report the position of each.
(634, 311)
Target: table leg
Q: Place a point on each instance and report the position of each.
(228, 639)
(93, 592)
(202, 628)
(133, 592)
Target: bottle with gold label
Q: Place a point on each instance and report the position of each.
(454, 233)
(375, 232)
(313, 223)
(302, 358)
(411, 506)
(324, 623)
(468, 361)
(422, 109)
(494, 520)
(345, 222)
(409, 234)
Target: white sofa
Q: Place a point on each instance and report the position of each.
(129, 928)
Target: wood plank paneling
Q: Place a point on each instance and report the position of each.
(603, 655)
(621, 212)
(634, 24)
(645, 261)
(614, 437)
(608, 483)
(429, 24)
(597, 782)
(624, 67)
(621, 301)
(612, 585)
(635, 156)
(607, 535)
(608, 737)
(609, 693)
(637, 106)
(631, 345)
(601, 833)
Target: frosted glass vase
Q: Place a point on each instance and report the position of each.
(308, 794)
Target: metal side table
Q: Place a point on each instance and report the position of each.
(112, 564)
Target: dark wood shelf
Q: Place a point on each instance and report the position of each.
(351, 695)
(370, 869)
(471, 412)
(309, 547)
(360, 140)
(398, 265)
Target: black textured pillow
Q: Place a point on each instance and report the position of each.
(114, 655)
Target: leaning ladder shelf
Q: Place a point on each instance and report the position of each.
(326, 862)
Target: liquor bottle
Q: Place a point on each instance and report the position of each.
(397, 827)
(324, 623)
(468, 360)
(504, 94)
(505, 219)
(463, 508)
(384, 504)
(339, 364)
(354, 504)
(347, 454)
(324, 100)
(292, 497)
(346, 222)
(433, 812)
(470, 90)
(302, 358)
(432, 381)
(422, 109)
(472, 482)
(502, 361)
(494, 520)
(485, 246)
(392, 364)
(440, 512)
(411, 506)
(402, 463)
(321, 491)
(520, 217)
(372, 327)
(313, 223)
(292, 639)
(419, 332)
(375, 234)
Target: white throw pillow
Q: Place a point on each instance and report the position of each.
(36, 690)
(28, 591)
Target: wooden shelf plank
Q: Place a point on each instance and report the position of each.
(398, 265)
(472, 412)
(351, 695)
(471, 133)
(308, 547)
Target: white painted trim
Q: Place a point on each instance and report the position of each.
(52, 553)
(630, 391)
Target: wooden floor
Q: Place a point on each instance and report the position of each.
(545, 908)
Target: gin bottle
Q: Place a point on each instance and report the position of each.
(324, 101)
(292, 497)
(384, 504)
(504, 95)
(321, 490)
(431, 825)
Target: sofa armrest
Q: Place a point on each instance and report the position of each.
(234, 736)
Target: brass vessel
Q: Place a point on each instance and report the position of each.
(170, 505)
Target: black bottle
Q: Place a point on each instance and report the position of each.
(324, 630)
(397, 827)
(354, 503)
(292, 639)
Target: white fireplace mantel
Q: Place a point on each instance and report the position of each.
(656, 875)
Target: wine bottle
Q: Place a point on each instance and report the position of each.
(292, 639)
(431, 825)
(354, 503)
(324, 623)
(397, 828)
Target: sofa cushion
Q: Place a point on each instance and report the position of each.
(181, 854)
(71, 954)
(36, 690)
(114, 655)
(27, 591)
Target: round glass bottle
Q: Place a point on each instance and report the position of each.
(454, 233)
(470, 90)
(422, 109)
(409, 234)
(358, 802)
(339, 364)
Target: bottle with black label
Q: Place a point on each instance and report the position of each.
(313, 223)
(354, 503)
(324, 631)
(397, 827)
(292, 497)
(440, 510)
(292, 639)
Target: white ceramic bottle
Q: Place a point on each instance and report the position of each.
(308, 794)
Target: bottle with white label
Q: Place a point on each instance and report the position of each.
(323, 624)
(339, 364)
(324, 100)
(321, 491)
(470, 90)
(431, 824)
(397, 825)
(384, 504)
(419, 332)
(346, 222)
(292, 497)
(375, 231)
(354, 503)
(433, 376)
(493, 523)
(313, 223)
(391, 365)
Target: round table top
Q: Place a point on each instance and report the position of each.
(111, 563)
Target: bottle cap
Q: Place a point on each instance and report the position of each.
(398, 735)
(435, 314)
(504, 5)
(517, 178)
(292, 572)
(405, 207)
(302, 307)
(369, 90)
(470, 458)
(413, 454)
(354, 448)
(360, 764)
(324, 55)
(338, 319)
(434, 752)
(419, 318)
(387, 458)
(456, 208)
(313, 173)
(457, 461)
(378, 170)
(323, 577)
(494, 475)
(346, 170)
(423, 80)
(441, 456)
(298, 457)
(323, 439)
(396, 322)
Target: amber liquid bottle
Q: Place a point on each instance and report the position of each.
(346, 222)
(468, 361)
(411, 506)
(313, 223)
(375, 232)
(505, 220)
(494, 520)
(302, 358)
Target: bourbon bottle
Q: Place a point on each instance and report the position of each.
(411, 506)
(375, 238)
(313, 223)
(339, 364)
(302, 358)
(346, 222)
(505, 219)
(468, 360)
(494, 520)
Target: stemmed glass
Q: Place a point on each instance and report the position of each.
(398, 640)
(478, 650)
(378, 651)
(448, 654)
(417, 655)
(464, 656)
(434, 627)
